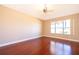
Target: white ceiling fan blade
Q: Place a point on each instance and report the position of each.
(49, 10)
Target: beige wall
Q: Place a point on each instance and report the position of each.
(16, 26)
(74, 27)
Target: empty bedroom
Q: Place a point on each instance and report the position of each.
(39, 29)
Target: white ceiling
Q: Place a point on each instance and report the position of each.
(36, 10)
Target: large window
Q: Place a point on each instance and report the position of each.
(61, 27)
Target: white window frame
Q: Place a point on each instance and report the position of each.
(63, 28)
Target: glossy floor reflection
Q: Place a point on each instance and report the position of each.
(42, 46)
(59, 48)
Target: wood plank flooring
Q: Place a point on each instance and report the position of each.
(42, 46)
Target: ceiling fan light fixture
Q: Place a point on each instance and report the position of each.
(44, 10)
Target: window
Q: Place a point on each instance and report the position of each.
(61, 27)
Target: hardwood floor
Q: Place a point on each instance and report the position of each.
(42, 46)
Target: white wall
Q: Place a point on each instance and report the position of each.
(15, 26)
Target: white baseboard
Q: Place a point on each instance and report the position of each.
(9, 43)
(70, 39)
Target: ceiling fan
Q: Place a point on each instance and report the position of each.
(45, 10)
